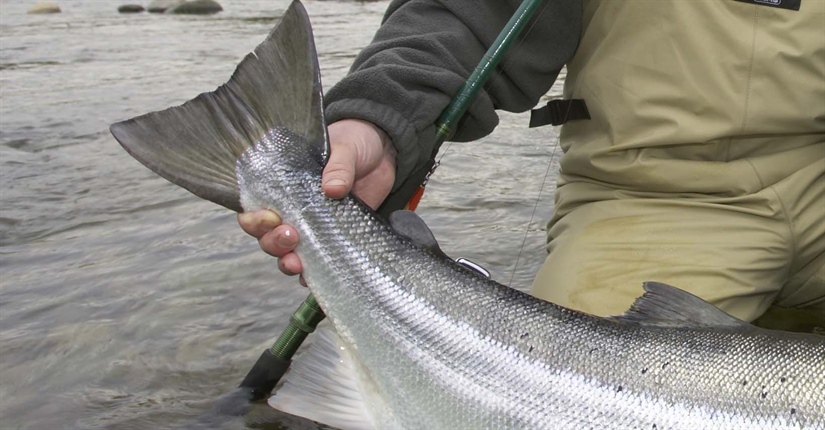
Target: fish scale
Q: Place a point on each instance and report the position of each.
(428, 343)
(450, 338)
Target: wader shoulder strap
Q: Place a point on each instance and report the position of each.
(558, 112)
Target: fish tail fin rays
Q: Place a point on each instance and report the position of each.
(196, 145)
(322, 385)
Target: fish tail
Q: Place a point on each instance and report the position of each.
(196, 145)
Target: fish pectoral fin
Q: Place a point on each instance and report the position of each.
(663, 305)
(326, 384)
(411, 226)
(196, 145)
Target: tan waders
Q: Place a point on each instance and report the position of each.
(704, 163)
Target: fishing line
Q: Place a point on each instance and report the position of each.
(533, 215)
(543, 183)
(505, 65)
(552, 154)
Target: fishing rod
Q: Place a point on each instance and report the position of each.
(275, 361)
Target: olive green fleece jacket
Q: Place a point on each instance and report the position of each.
(425, 50)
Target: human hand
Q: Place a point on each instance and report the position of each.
(361, 161)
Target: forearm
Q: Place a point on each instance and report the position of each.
(423, 53)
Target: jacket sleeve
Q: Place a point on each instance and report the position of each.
(423, 52)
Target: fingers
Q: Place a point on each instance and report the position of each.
(280, 241)
(275, 239)
(257, 224)
(339, 173)
(362, 161)
(291, 265)
(374, 187)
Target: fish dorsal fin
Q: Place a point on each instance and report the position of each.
(323, 385)
(196, 145)
(411, 226)
(667, 306)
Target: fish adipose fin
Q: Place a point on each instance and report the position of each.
(322, 385)
(667, 306)
(196, 145)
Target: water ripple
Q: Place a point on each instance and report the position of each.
(126, 302)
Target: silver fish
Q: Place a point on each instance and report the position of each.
(428, 344)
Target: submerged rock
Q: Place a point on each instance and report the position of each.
(160, 6)
(196, 7)
(45, 7)
(130, 8)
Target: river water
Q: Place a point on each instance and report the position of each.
(126, 302)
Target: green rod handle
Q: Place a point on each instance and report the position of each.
(275, 361)
(302, 322)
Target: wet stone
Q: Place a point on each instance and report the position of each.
(196, 7)
(131, 8)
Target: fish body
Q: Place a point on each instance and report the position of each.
(433, 344)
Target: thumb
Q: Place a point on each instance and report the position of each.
(339, 173)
